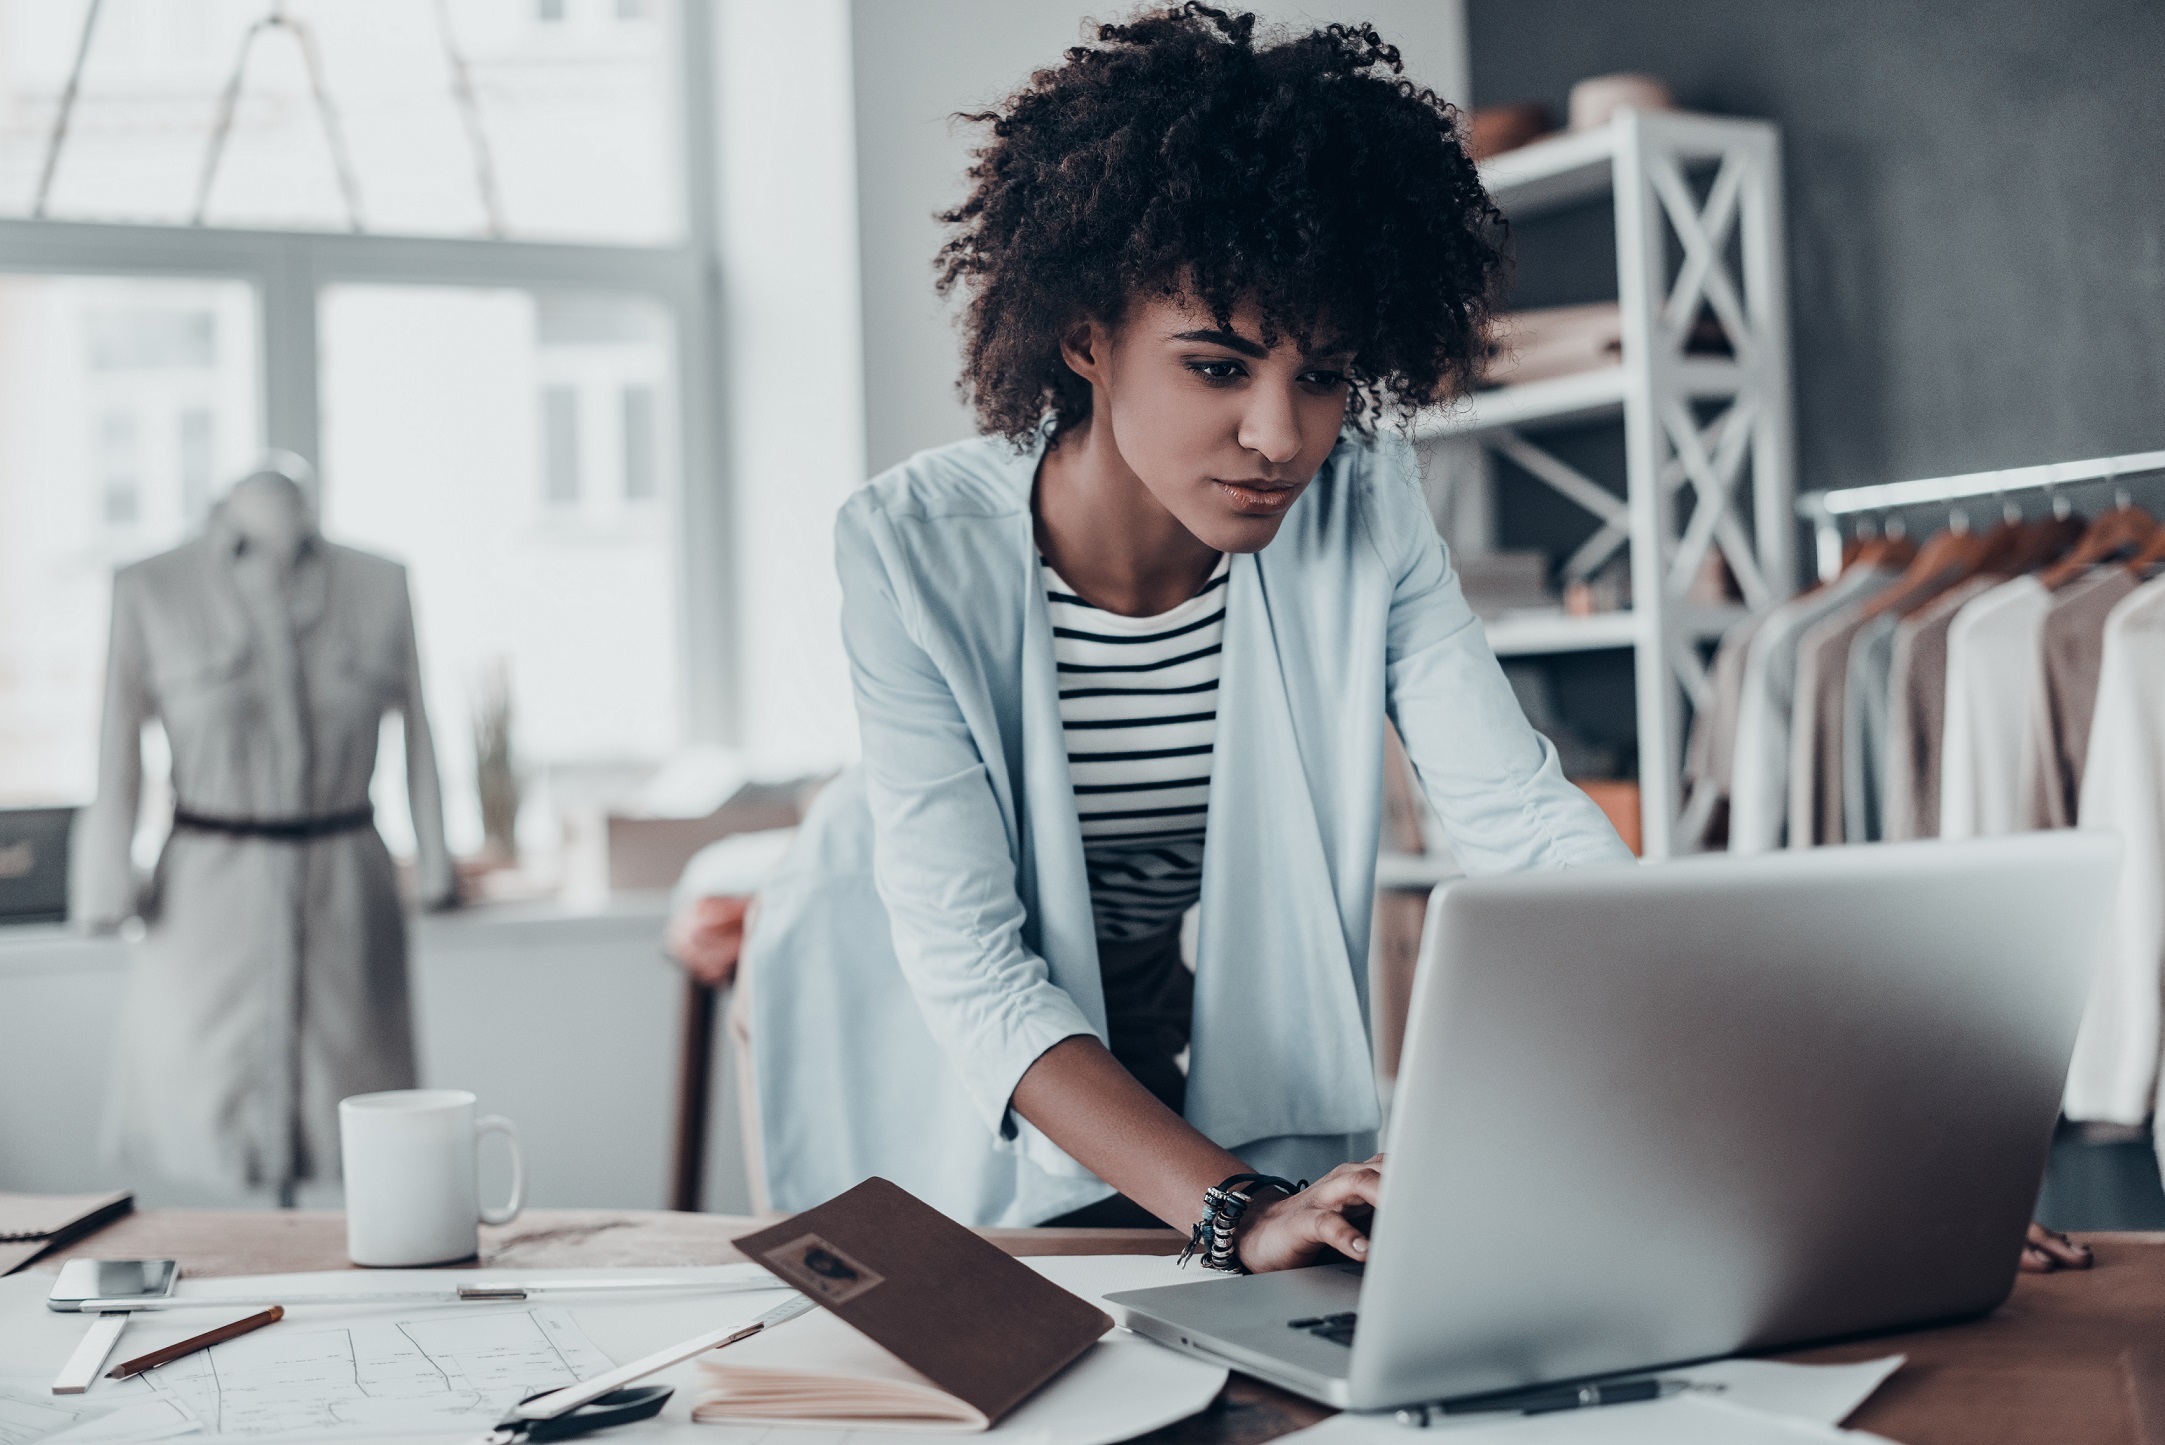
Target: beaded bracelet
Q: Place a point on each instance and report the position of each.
(1223, 1205)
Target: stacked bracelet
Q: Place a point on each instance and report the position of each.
(1223, 1205)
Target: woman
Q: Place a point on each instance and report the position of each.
(1134, 650)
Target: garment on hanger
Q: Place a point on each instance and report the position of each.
(271, 981)
(1992, 670)
(1816, 716)
(2070, 656)
(1865, 712)
(1759, 792)
(1710, 756)
(2114, 1074)
(1917, 713)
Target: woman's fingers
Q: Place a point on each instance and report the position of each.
(1292, 1231)
(1338, 1232)
(2045, 1250)
(1346, 1186)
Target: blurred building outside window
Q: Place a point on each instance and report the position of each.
(499, 410)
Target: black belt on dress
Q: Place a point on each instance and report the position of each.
(284, 830)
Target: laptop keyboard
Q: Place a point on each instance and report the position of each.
(1338, 1329)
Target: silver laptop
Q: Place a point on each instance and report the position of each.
(1653, 1115)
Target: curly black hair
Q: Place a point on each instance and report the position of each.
(1178, 156)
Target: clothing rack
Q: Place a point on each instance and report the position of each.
(1825, 509)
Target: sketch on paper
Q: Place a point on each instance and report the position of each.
(434, 1374)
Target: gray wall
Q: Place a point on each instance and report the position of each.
(917, 64)
(1976, 200)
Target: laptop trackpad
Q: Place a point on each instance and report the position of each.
(1258, 1310)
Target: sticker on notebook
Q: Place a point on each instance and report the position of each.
(822, 1270)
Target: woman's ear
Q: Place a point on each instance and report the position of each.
(1083, 348)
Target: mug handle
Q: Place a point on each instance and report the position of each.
(498, 1124)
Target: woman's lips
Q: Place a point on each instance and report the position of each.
(1260, 499)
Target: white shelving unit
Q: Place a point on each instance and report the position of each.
(1698, 228)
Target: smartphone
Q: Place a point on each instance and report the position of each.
(82, 1279)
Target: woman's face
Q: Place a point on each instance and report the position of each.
(1224, 431)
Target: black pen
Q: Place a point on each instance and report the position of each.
(1547, 1401)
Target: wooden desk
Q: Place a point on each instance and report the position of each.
(2071, 1357)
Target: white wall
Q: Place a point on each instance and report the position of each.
(919, 63)
(567, 1025)
(835, 151)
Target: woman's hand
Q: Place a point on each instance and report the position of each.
(2048, 1250)
(1281, 1232)
(707, 936)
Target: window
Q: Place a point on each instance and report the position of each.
(521, 560)
(116, 397)
(560, 443)
(504, 418)
(469, 118)
(638, 422)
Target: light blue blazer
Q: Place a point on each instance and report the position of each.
(930, 935)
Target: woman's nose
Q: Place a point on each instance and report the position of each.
(1271, 426)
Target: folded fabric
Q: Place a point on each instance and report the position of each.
(1553, 341)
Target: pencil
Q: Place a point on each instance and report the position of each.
(189, 1346)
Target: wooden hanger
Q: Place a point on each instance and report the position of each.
(2124, 530)
(2048, 541)
(2150, 557)
(1945, 559)
(2005, 547)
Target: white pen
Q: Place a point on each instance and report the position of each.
(479, 1292)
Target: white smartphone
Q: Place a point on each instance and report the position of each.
(82, 1279)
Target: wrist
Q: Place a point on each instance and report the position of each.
(1226, 1208)
(1267, 1200)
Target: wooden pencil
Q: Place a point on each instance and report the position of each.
(189, 1346)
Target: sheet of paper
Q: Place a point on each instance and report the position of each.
(1678, 1420)
(1123, 1387)
(421, 1374)
(1828, 1394)
(30, 1413)
(1821, 1394)
(154, 1418)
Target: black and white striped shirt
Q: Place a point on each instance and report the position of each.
(1139, 705)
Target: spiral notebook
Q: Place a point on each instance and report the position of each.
(31, 1224)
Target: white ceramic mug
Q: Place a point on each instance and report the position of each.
(413, 1193)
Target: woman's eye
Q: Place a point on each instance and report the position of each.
(1324, 380)
(1217, 370)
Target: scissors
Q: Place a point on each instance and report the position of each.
(618, 1407)
(603, 1401)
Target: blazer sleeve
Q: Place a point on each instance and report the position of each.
(434, 878)
(942, 860)
(102, 877)
(1495, 783)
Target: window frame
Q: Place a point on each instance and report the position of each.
(290, 269)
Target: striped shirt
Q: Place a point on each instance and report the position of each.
(1139, 706)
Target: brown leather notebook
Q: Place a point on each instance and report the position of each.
(983, 1327)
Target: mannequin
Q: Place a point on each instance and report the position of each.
(272, 515)
(271, 978)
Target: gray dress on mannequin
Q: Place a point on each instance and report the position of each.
(271, 980)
